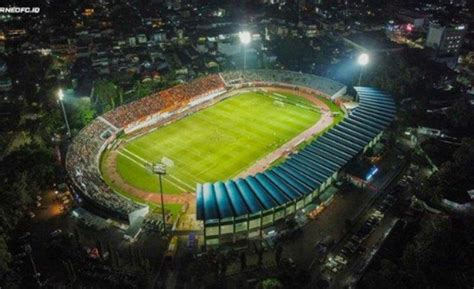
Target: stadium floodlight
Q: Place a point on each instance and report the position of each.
(245, 39)
(61, 98)
(160, 170)
(60, 94)
(363, 60)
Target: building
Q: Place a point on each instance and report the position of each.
(415, 19)
(446, 40)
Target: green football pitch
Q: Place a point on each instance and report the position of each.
(216, 143)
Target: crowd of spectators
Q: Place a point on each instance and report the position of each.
(81, 163)
(325, 85)
(169, 99)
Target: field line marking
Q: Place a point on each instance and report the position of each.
(128, 157)
(131, 156)
(137, 156)
(178, 163)
(173, 183)
(180, 181)
(141, 165)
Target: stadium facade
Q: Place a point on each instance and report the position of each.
(239, 208)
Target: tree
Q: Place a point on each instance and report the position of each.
(438, 256)
(82, 113)
(462, 115)
(108, 95)
(5, 256)
(270, 283)
(454, 177)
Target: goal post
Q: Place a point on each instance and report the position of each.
(278, 103)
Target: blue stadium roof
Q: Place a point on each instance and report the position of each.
(306, 170)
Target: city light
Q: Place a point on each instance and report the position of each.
(245, 37)
(371, 173)
(363, 59)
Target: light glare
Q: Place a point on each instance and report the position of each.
(244, 37)
(60, 94)
(363, 59)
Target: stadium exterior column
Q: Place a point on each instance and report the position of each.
(273, 217)
(233, 229)
(248, 225)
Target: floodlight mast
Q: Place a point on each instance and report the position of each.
(60, 99)
(160, 170)
(245, 39)
(363, 60)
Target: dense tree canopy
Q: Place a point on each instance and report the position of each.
(108, 95)
(438, 256)
(454, 177)
(30, 168)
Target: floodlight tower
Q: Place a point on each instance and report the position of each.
(160, 170)
(60, 99)
(245, 39)
(363, 60)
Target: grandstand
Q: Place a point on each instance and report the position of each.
(241, 208)
(82, 161)
(284, 78)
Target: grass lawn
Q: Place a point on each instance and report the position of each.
(216, 143)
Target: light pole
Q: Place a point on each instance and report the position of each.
(160, 170)
(36, 274)
(363, 60)
(245, 39)
(61, 97)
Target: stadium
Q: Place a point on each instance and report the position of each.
(244, 149)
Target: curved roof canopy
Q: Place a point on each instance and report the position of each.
(305, 171)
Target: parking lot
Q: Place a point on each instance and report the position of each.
(355, 243)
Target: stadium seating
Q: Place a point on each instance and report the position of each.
(81, 163)
(166, 100)
(322, 84)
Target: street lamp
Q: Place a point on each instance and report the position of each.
(61, 97)
(160, 170)
(363, 60)
(245, 39)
